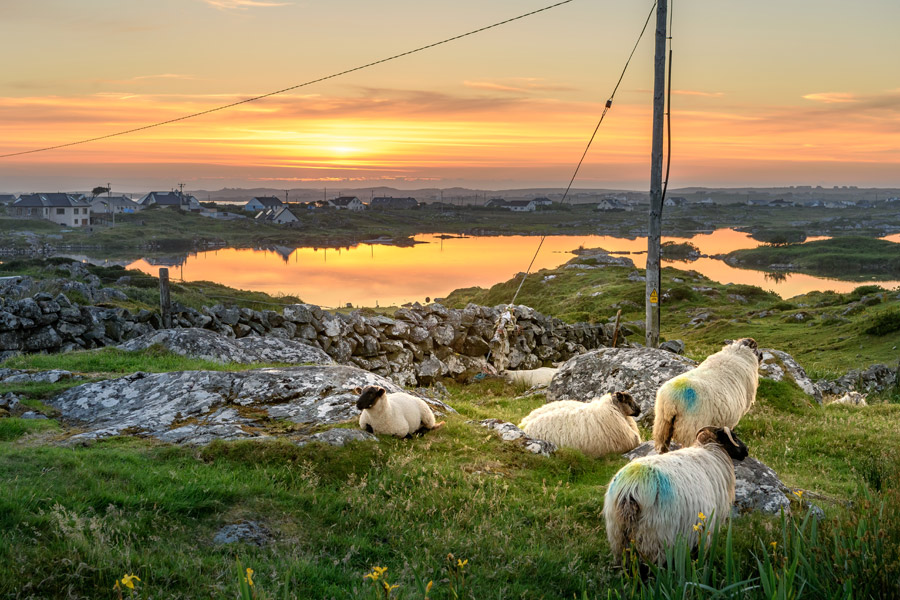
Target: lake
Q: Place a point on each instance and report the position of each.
(373, 274)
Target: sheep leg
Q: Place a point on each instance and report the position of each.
(664, 436)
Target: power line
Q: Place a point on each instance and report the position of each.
(590, 141)
(293, 87)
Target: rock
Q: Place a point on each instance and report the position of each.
(510, 433)
(757, 487)
(800, 317)
(875, 379)
(10, 401)
(194, 407)
(209, 345)
(638, 371)
(21, 376)
(776, 365)
(341, 437)
(32, 415)
(674, 346)
(108, 294)
(703, 317)
(249, 532)
(853, 399)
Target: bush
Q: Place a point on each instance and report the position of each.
(865, 290)
(884, 323)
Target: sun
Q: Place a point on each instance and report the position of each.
(344, 150)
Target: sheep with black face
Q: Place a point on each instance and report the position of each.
(396, 413)
(602, 426)
(655, 500)
(717, 393)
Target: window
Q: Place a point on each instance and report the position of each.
(60, 211)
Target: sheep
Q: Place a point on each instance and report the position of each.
(653, 500)
(602, 426)
(716, 393)
(397, 413)
(531, 377)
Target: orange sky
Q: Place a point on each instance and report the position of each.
(766, 94)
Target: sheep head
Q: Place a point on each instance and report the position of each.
(626, 403)
(724, 437)
(368, 396)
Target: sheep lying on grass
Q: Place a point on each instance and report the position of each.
(397, 413)
(602, 426)
(717, 393)
(654, 500)
(531, 377)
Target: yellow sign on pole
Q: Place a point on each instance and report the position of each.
(654, 298)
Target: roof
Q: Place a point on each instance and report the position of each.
(114, 201)
(519, 202)
(344, 200)
(167, 198)
(268, 201)
(7, 198)
(390, 201)
(54, 199)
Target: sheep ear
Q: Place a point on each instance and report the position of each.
(357, 390)
(381, 392)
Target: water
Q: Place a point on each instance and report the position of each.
(375, 274)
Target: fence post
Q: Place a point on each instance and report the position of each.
(165, 301)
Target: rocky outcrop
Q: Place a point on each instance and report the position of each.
(510, 433)
(638, 371)
(777, 366)
(417, 345)
(196, 407)
(757, 487)
(209, 345)
(875, 379)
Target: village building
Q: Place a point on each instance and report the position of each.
(114, 205)
(280, 216)
(347, 203)
(259, 203)
(7, 199)
(780, 203)
(521, 205)
(495, 203)
(675, 201)
(173, 199)
(610, 203)
(65, 209)
(391, 203)
(541, 202)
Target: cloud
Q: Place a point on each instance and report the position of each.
(244, 4)
(698, 93)
(832, 97)
(518, 85)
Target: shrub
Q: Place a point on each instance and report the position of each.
(884, 323)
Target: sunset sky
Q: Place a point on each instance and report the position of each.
(796, 92)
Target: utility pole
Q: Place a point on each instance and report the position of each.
(656, 168)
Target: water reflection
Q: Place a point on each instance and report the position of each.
(371, 274)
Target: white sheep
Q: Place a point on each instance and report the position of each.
(397, 413)
(654, 500)
(602, 426)
(717, 393)
(531, 377)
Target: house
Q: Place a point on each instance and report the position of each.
(61, 208)
(6, 199)
(114, 205)
(780, 203)
(495, 203)
(173, 199)
(391, 203)
(348, 203)
(540, 202)
(521, 205)
(675, 201)
(613, 204)
(280, 216)
(262, 203)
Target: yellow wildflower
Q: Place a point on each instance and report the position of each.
(389, 588)
(128, 581)
(376, 573)
(697, 527)
(461, 563)
(249, 576)
(428, 587)
(799, 494)
(774, 545)
(701, 516)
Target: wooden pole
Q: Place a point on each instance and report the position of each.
(616, 330)
(165, 301)
(656, 169)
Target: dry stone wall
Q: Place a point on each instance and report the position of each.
(416, 346)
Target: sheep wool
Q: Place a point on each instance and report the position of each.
(397, 413)
(717, 393)
(603, 426)
(655, 500)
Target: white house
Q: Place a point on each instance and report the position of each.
(675, 201)
(263, 203)
(613, 204)
(280, 216)
(104, 205)
(61, 208)
(348, 203)
(521, 205)
(542, 202)
(173, 199)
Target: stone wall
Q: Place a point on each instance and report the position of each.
(417, 345)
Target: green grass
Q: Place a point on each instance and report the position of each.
(12, 428)
(846, 257)
(529, 526)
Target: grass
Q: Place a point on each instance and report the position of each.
(846, 257)
(529, 526)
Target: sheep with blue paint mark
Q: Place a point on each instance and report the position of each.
(602, 426)
(655, 500)
(717, 393)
